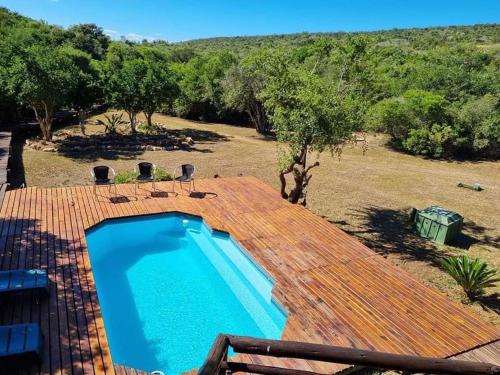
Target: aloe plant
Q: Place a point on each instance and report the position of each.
(111, 123)
(473, 275)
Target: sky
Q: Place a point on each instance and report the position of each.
(179, 20)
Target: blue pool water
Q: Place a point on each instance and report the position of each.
(168, 284)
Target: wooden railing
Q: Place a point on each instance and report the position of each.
(217, 362)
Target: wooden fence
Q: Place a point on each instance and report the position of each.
(217, 362)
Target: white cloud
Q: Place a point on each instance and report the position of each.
(133, 37)
(111, 33)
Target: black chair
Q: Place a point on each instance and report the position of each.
(187, 177)
(145, 172)
(101, 177)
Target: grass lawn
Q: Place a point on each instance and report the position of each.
(366, 195)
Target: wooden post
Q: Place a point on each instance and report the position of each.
(216, 356)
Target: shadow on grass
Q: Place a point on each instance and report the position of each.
(387, 231)
(490, 302)
(17, 174)
(130, 146)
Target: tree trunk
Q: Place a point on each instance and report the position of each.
(259, 118)
(301, 178)
(132, 115)
(149, 117)
(44, 115)
(82, 116)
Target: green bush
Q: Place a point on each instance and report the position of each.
(472, 275)
(126, 177)
(418, 122)
(429, 142)
(162, 175)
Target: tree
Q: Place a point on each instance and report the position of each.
(88, 87)
(138, 79)
(418, 122)
(41, 75)
(123, 73)
(477, 123)
(159, 87)
(308, 115)
(390, 116)
(201, 85)
(89, 38)
(241, 87)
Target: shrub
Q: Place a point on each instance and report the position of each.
(126, 177)
(418, 122)
(472, 275)
(163, 175)
(429, 142)
(111, 123)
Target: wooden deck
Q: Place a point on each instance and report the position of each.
(337, 290)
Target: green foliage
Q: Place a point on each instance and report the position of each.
(159, 86)
(477, 122)
(124, 85)
(472, 275)
(126, 177)
(111, 123)
(436, 91)
(138, 79)
(429, 141)
(201, 85)
(418, 122)
(308, 113)
(242, 86)
(89, 38)
(390, 116)
(39, 74)
(162, 175)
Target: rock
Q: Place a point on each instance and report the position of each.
(189, 141)
(49, 149)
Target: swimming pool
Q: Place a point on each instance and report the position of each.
(167, 285)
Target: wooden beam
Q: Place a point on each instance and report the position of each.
(326, 353)
(217, 355)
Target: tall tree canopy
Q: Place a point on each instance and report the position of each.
(39, 73)
(89, 38)
(387, 80)
(310, 114)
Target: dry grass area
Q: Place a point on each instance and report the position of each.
(367, 194)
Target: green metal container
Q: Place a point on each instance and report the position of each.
(438, 224)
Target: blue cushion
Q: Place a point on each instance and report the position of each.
(20, 339)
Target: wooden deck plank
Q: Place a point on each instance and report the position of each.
(337, 290)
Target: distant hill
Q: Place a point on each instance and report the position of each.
(424, 38)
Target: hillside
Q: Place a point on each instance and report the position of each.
(420, 38)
